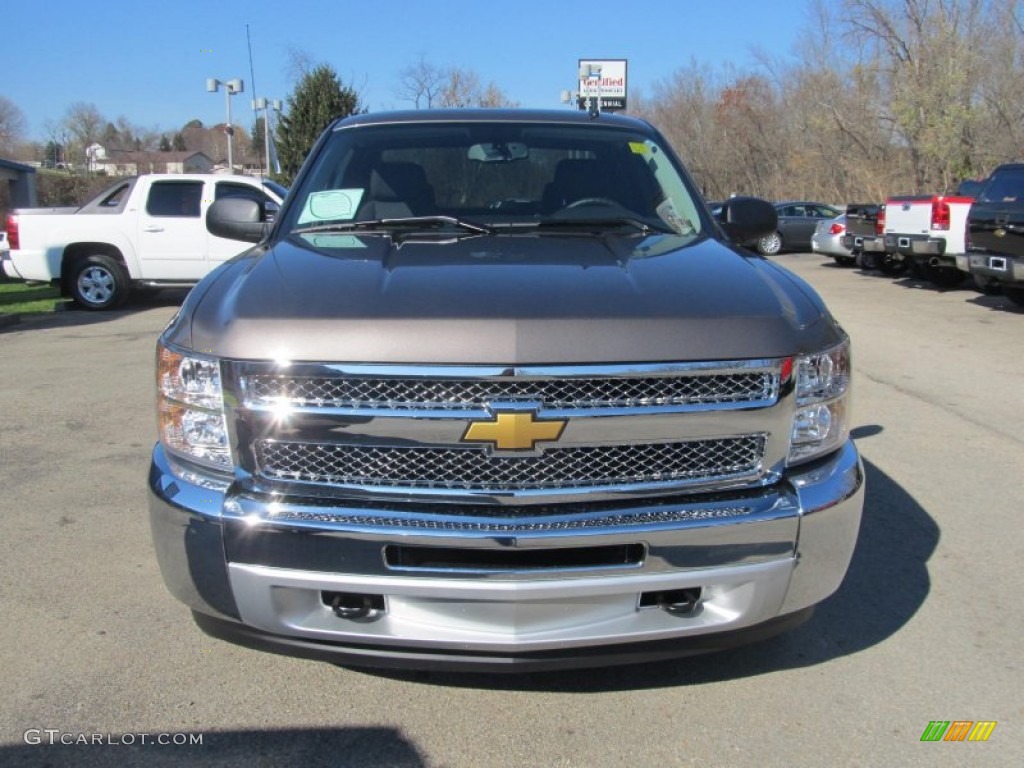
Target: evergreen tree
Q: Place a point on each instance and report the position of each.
(318, 99)
(165, 144)
(178, 144)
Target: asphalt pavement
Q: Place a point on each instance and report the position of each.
(99, 665)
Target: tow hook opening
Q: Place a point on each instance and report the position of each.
(677, 602)
(354, 606)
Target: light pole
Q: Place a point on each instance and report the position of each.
(591, 75)
(231, 87)
(266, 105)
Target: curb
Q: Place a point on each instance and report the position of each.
(6, 320)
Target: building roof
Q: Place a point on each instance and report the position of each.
(10, 165)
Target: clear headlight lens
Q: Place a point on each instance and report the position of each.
(821, 422)
(190, 408)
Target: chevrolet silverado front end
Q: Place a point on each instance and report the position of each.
(514, 417)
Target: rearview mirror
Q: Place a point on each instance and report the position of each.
(498, 152)
(237, 218)
(747, 218)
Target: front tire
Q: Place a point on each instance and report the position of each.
(986, 285)
(1016, 295)
(98, 282)
(769, 245)
(892, 264)
(942, 277)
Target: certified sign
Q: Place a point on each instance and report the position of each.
(603, 79)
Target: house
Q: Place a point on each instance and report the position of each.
(117, 162)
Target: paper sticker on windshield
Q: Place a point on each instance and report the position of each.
(639, 147)
(331, 205)
(330, 240)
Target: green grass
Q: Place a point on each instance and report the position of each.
(18, 298)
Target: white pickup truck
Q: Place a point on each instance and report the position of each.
(928, 232)
(146, 230)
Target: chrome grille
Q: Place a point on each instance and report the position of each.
(534, 525)
(473, 469)
(359, 392)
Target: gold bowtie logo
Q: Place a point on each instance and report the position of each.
(518, 431)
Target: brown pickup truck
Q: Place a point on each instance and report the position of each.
(495, 391)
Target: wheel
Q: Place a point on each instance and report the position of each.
(846, 261)
(987, 285)
(1016, 295)
(943, 277)
(98, 282)
(892, 264)
(769, 245)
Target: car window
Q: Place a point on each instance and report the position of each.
(495, 173)
(227, 189)
(1005, 186)
(116, 197)
(175, 198)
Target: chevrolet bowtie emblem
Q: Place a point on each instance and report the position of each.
(518, 431)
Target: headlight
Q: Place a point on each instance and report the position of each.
(190, 408)
(822, 389)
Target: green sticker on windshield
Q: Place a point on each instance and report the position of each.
(331, 205)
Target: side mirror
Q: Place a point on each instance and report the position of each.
(747, 218)
(237, 218)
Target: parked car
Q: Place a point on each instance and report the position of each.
(5, 254)
(995, 231)
(797, 222)
(142, 231)
(828, 240)
(926, 232)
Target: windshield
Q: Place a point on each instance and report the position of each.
(514, 175)
(1005, 186)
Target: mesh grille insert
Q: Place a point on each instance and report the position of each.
(472, 469)
(473, 394)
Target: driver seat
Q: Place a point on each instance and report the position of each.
(576, 180)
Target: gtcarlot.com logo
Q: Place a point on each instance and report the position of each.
(53, 736)
(958, 730)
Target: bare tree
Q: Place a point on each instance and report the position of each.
(421, 83)
(462, 88)
(12, 125)
(929, 57)
(84, 122)
(59, 140)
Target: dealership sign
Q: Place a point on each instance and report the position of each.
(603, 80)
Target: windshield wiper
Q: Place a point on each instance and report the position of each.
(605, 223)
(411, 222)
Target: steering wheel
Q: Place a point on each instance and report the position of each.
(591, 201)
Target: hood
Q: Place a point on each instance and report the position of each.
(501, 300)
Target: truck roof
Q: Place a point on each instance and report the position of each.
(569, 116)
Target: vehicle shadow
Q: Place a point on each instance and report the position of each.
(68, 315)
(996, 302)
(367, 747)
(897, 537)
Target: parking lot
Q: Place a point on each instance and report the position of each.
(927, 625)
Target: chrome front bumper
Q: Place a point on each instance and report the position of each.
(256, 570)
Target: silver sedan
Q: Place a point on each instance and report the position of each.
(828, 240)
